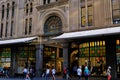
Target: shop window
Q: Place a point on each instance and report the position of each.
(53, 57)
(49, 57)
(91, 54)
(118, 55)
(5, 57)
(25, 57)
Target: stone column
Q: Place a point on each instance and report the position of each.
(13, 61)
(111, 56)
(39, 59)
(65, 54)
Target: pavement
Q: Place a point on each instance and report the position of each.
(57, 78)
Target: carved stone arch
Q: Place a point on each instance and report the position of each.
(45, 15)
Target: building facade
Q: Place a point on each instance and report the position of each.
(60, 33)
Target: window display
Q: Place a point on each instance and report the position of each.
(118, 56)
(90, 54)
(5, 57)
(25, 58)
(53, 58)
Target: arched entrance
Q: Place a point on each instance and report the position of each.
(52, 53)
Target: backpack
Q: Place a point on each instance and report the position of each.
(86, 72)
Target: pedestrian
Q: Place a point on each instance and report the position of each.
(6, 73)
(31, 72)
(68, 74)
(25, 72)
(109, 73)
(27, 77)
(64, 72)
(53, 73)
(47, 73)
(75, 71)
(79, 72)
(43, 73)
(86, 73)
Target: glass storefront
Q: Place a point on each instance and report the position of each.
(118, 56)
(91, 54)
(5, 57)
(53, 58)
(25, 58)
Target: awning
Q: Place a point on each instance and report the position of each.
(14, 41)
(89, 33)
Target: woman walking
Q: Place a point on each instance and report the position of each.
(109, 73)
(53, 73)
(86, 73)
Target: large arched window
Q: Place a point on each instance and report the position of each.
(53, 25)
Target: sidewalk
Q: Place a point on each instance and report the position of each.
(58, 78)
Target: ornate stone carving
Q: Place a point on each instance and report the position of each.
(52, 5)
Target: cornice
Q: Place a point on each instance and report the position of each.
(52, 5)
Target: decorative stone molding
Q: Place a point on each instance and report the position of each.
(52, 5)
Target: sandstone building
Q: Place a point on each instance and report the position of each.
(60, 33)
